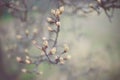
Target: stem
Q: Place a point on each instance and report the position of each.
(57, 34)
(49, 57)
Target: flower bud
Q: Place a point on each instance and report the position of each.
(99, 1)
(35, 30)
(26, 51)
(56, 57)
(66, 48)
(27, 61)
(24, 70)
(42, 53)
(53, 51)
(91, 5)
(34, 41)
(61, 59)
(49, 19)
(61, 9)
(67, 57)
(19, 59)
(27, 57)
(57, 13)
(45, 43)
(44, 38)
(27, 32)
(53, 11)
(49, 28)
(58, 23)
(19, 37)
(40, 73)
(62, 62)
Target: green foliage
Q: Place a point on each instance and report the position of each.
(27, 77)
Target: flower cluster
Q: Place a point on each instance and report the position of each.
(49, 48)
(108, 6)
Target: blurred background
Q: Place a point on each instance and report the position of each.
(93, 39)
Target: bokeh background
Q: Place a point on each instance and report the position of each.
(94, 44)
